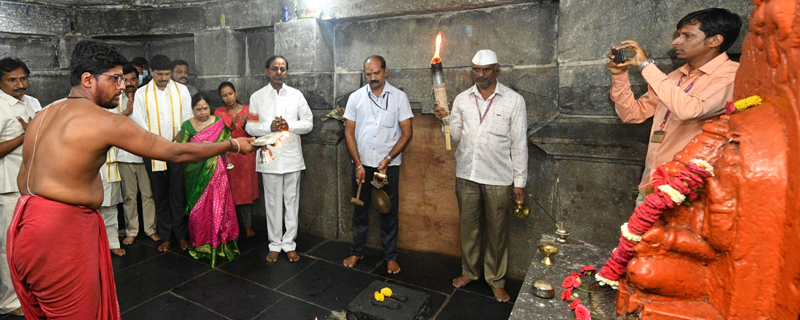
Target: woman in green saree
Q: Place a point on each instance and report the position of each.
(213, 228)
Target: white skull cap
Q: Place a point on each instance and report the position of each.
(484, 57)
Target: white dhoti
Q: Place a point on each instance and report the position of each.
(112, 195)
(8, 298)
(282, 191)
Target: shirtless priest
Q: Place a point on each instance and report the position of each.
(61, 191)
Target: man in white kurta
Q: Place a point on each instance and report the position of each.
(281, 108)
(161, 107)
(16, 110)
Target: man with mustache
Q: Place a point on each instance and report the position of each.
(57, 247)
(132, 172)
(681, 101)
(16, 109)
(281, 108)
(161, 107)
(180, 74)
(377, 129)
(489, 123)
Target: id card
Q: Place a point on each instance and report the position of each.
(658, 136)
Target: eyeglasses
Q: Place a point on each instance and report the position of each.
(118, 78)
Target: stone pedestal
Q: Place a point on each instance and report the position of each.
(416, 307)
(570, 258)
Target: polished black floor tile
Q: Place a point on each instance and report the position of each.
(329, 285)
(468, 305)
(139, 283)
(227, 295)
(290, 308)
(437, 299)
(336, 251)
(254, 267)
(134, 253)
(481, 287)
(247, 244)
(306, 242)
(428, 270)
(168, 306)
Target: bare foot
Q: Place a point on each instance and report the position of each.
(128, 240)
(164, 247)
(351, 261)
(461, 281)
(392, 267)
(293, 256)
(184, 244)
(501, 295)
(17, 312)
(250, 232)
(155, 237)
(118, 252)
(272, 256)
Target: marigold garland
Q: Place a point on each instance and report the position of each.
(669, 193)
(743, 104)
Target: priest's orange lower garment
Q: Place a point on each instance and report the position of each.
(60, 261)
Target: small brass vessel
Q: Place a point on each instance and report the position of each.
(543, 289)
(548, 251)
(522, 210)
(562, 235)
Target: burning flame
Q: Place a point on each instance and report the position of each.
(436, 58)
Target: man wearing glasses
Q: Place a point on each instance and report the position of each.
(160, 107)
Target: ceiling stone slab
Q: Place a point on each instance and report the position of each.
(24, 18)
(127, 22)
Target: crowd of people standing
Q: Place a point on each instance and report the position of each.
(146, 131)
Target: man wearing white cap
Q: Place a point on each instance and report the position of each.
(489, 123)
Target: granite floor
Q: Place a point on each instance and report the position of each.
(172, 285)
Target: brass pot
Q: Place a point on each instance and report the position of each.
(381, 201)
(521, 210)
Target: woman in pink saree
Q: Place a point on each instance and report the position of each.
(213, 228)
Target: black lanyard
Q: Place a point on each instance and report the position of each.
(376, 103)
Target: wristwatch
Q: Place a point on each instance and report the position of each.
(389, 157)
(644, 64)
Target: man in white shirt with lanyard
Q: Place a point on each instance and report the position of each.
(16, 110)
(377, 129)
(161, 107)
(489, 123)
(132, 172)
(281, 108)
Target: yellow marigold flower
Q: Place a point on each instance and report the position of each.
(378, 296)
(386, 292)
(747, 102)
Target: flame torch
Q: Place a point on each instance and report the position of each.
(439, 91)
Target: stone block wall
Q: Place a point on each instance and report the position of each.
(583, 162)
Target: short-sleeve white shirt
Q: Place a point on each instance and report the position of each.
(378, 122)
(10, 128)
